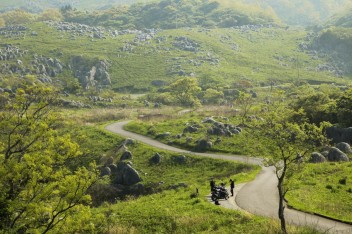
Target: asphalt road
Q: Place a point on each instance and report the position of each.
(258, 197)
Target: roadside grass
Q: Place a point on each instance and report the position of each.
(176, 211)
(325, 189)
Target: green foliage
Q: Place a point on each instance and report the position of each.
(185, 92)
(37, 189)
(17, 17)
(213, 96)
(344, 108)
(318, 190)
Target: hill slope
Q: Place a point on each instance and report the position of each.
(69, 54)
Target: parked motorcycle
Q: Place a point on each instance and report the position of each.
(219, 193)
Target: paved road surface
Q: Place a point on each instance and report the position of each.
(258, 197)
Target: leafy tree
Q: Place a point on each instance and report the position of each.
(286, 143)
(317, 106)
(51, 14)
(18, 17)
(245, 102)
(344, 109)
(185, 91)
(39, 186)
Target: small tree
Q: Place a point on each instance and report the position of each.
(286, 143)
(185, 91)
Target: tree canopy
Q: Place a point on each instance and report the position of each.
(40, 187)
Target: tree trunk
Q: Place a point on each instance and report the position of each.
(281, 204)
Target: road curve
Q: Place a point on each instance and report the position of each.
(259, 196)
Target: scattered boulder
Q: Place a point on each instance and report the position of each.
(203, 145)
(336, 155)
(344, 147)
(317, 158)
(127, 155)
(156, 159)
(181, 159)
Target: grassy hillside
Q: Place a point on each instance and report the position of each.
(137, 60)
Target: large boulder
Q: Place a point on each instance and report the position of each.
(125, 175)
(336, 155)
(344, 147)
(203, 145)
(317, 158)
(156, 159)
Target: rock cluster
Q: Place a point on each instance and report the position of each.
(185, 43)
(47, 67)
(333, 154)
(9, 52)
(121, 173)
(221, 129)
(14, 31)
(254, 28)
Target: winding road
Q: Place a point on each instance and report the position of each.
(258, 197)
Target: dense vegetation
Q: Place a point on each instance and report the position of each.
(203, 75)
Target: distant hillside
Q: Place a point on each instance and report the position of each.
(168, 14)
(336, 40)
(304, 12)
(342, 20)
(40, 5)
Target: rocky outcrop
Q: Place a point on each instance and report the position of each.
(90, 74)
(125, 174)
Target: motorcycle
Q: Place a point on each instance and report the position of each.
(219, 193)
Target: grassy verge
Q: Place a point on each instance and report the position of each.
(324, 189)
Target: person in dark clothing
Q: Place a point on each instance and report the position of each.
(212, 185)
(232, 186)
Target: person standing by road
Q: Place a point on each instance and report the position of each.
(232, 186)
(212, 184)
